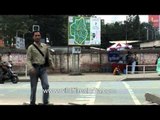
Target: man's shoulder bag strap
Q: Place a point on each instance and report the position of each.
(38, 50)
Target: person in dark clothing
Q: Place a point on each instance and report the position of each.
(158, 55)
(129, 60)
(136, 59)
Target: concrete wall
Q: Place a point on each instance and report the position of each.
(88, 62)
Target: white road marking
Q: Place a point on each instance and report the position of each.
(89, 98)
(135, 99)
(82, 99)
(1, 94)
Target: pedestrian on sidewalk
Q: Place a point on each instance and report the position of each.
(129, 60)
(10, 58)
(136, 59)
(134, 62)
(158, 64)
(36, 54)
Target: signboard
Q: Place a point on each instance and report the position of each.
(84, 31)
(155, 20)
(95, 31)
(76, 49)
(20, 43)
(113, 56)
(35, 28)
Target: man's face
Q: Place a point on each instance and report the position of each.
(37, 36)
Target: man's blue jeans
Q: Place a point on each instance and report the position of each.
(42, 74)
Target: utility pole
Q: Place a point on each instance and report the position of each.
(147, 33)
(126, 28)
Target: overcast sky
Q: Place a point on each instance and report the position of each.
(113, 18)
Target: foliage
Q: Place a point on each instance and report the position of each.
(55, 28)
(130, 29)
(12, 25)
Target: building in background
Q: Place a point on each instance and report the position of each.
(1, 43)
(155, 19)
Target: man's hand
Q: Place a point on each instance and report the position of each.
(52, 67)
(32, 71)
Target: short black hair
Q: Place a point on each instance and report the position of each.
(35, 32)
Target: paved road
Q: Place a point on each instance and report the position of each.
(90, 93)
(95, 77)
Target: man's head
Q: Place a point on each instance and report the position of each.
(36, 36)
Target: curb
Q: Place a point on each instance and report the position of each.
(124, 79)
(138, 79)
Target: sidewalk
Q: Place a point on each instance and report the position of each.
(88, 77)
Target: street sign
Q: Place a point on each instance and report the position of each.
(84, 31)
(35, 28)
(76, 50)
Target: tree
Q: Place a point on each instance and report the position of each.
(130, 29)
(55, 26)
(11, 25)
(136, 28)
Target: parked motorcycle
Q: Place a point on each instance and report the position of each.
(8, 73)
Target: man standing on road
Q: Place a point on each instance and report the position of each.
(36, 54)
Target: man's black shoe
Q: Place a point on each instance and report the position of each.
(48, 104)
(32, 103)
(25, 103)
(45, 104)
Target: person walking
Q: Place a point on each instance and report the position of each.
(133, 63)
(10, 58)
(36, 54)
(136, 59)
(129, 61)
(158, 64)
